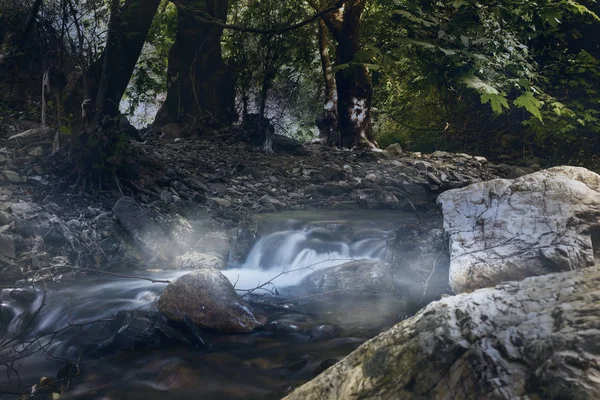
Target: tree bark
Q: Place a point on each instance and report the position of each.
(200, 86)
(130, 31)
(327, 121)
(354, 87)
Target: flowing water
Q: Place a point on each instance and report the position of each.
(261, 365)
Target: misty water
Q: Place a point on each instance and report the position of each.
(260, 365)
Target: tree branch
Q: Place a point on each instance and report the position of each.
(271, 31)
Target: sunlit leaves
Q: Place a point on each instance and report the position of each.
(530, 103)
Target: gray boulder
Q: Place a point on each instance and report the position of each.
(535, 339)
(209, 300)
(196, 260)
(504, 230)
(360, 277)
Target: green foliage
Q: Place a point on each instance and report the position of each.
(533, 65)
(286, 65)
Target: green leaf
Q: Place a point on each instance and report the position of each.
(530, 103)
(497, 101)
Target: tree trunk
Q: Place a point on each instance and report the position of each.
(354, 88)
(29, 23)
(129, 33)
(327, 121)
(200, 86)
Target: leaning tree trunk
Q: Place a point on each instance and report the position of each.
(200, 89)
(128, 37)
(354, 88)
(327, 122)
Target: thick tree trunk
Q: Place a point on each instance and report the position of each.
(354, 88)
(129, 33)
(29, 23)
(200, 90)
(327, 121)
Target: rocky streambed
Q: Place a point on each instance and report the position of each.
(380, 249)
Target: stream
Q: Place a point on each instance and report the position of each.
(261, 365)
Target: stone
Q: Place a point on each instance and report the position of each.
(196, 260)
(23, 208)
(331, 173)
(393, 150)
(504, 229)
(12, 176)
(134, 329)
(149, 240)
(534, 339)
(209, 300)
(360, 277)
(375, 199)
(373, 178)
(38, 151)
(221, 202)
(7, 246)
(268, 200)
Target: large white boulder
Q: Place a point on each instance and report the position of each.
(533, 339)
(503, 229)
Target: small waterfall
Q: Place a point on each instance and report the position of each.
(296, 253)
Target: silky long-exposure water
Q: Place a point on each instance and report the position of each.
(260, 365)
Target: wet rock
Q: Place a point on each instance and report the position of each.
(504, 230)
(283, 327)
(528, 339)
(196, 260)
(133, 330)
(150, 241)
(323, 332)
(209, 300)
(361, 277)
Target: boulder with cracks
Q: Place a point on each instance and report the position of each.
(504, 230)
(537, 338)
